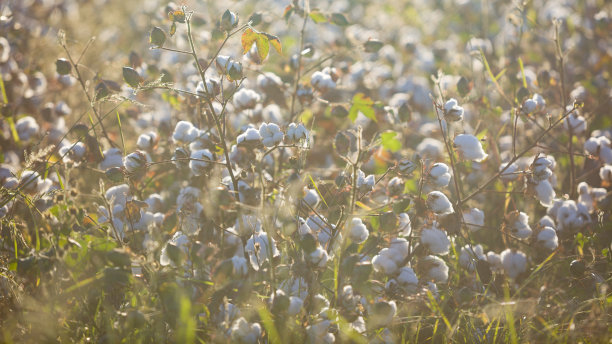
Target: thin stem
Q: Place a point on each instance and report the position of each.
(296, 82)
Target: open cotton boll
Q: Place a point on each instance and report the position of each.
(147, 141)
(407, 279)
(296, 132)
(202, 164)
(250, 135)
(439, 174)
(544, 192)
(73, 152)
(365, 184)
(399, 248)
(452, 111)
(266, 248)
(570, 215)
(179, 240)
(540, 102)
(473, 219)
(529, 106)
(112, 158)
(246, 98)
(548, 238)
(322, 82)
(435, 268)
(495, 261)
(509, 173)
(318, 257)
(439, 203)
(185, 132)
(358, 232)
(118, 194)
(435, 240)
(135, 161)
(588, 196)
(212, 88)
(546, 221)
(469, 255)
(268, 79)
(405, 225)
(295, 305)
(243, 332)
(470, 147)
(395, 187)
(430, 148)
(26, 127)
(575, 121)
(311, 197)
(383, 262)
(270, 133)
(591, 146)
(605, 173)
(513, 262)
(519, 225)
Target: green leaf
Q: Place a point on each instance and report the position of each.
(131, 76)
(249, 36)
(157, 37)
(362, 104)
(317, 16)
(389, 141)
(263, 46)
(373, 45)
(62, 66)
(339, 19)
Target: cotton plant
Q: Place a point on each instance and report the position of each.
(470, 147)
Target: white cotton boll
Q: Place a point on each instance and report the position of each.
(395, 187)
(510, 173)
(135, 161)
(296, 132)
(358, 231)
(548, 238)
(440, 174)
(545, 193)
(73, 152)
(146, 141)
(155, 202)
(185, 132)
(365, 184)
(270, 133)
(322, 82)
(435, 240)
(383, 262)
(212, 86)
(26, 128)
(244, 333)
(405, 225)
(246, 98)
(318, 257)
(540, 102)
(469, 255)
(571, 216)
(473, 219)
(470, 147)
(407, 278)
(118, 194)
(529, 106)
(266, 247)
(268, 79)
(546, 221)
(158, 219)
(520, 227)
(10, 183)
(406, 166)
(250, 135)
(452, 110)
(398, 250)
(495, 261)
(605, 173)
(239, 265)
(439, 203)
(311, 197)
(605, 154)
(591, 146)
(179, 240)
(436, 269)
(112, 158)
(576, 122)
(295, 305)
(514, 263)
(430, 148)
(200, 166)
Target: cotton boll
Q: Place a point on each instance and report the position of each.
(398, 250)
(243, 332)
(540, 102)
(591, 146)
(605, 173)
(435, 268)
(246, 99)
(494, 260)
(430, 148)
(10, 183)
(473, 219)
(519, 225)
(452, 111)
(322, 82)
(513, 262)
(439, 174)
(185, 132)
(470, 147)
(112, 158)
(469, 255)
(251, 135)
(266, 247)
(202, 163)
(435, 240)
(546, 221)
(575, 121)
(405, 225)
(408, 279)
(365, 184)
(529, 106)
(212, 88)
(295, 305)
(544, 192)
(509, 173)
(135, 162)
(395, 187)
(239, 266)
(311, 197)
(406, 166)
(118, 194)
(270, 133)
(296, 132)
(358, 231)
(147, 141)
(318, 257)
(383, 262)
(439, 203)
(26, 128)
(548, 238)
(73, 152)
(180, 241)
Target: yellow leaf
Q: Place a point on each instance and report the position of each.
(249, 36)
(276, 43)
(263, 46)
